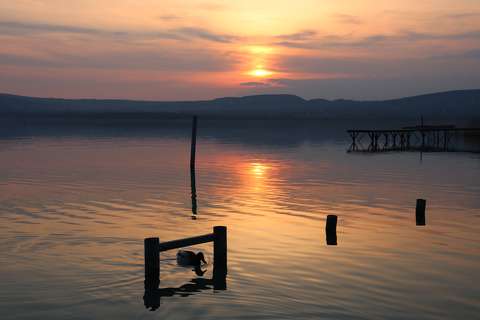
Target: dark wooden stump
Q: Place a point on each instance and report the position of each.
(152, 263)
(331, 230)
(420, 212)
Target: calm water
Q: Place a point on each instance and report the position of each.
(75, 206)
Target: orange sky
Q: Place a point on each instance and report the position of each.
(184, 50)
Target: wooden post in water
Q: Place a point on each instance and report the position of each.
(220, 250)
(331, 230)
(152, 263)
(420, 212)
(193, 150)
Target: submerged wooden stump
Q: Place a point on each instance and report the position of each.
(420, 212)
(331, 230)
(152, 263)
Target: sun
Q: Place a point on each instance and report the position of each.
(260, 73)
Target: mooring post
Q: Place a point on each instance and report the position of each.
(220, 250)
(152, 263)
(194, 144)
(420, 212)
(331, 230)
(193, 150)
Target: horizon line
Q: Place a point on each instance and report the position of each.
(239, 97)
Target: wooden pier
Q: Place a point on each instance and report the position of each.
(418, 138)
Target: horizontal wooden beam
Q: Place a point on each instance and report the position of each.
(175, 244)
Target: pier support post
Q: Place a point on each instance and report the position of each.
(420, 212)
(152, 263)
(220, 250)
(331, 230)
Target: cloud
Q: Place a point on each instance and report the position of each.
(470, 54)
(22, 27)
(254, 84)
(200, 33)
(462, 15)
(405, 36)
(169, 17)
(267, 83)
(298, 36)
(347, 19)
(180, 34)
(151, 60)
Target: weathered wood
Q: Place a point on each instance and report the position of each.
(220, 249)
(152, 263)
(331, 230)
(175, 244)
(420, 212)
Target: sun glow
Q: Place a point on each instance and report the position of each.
(260, 73)
(258, 169)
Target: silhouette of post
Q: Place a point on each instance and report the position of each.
(220, 250)
(420, 212)
(331, 230)
(192, 166)
(152, 263)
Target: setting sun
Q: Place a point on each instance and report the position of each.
(261, 73)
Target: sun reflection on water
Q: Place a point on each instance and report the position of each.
(258, 169)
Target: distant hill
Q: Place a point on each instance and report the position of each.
(463, 104)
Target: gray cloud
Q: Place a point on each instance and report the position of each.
(254, 84)
(169, 17)
(181, 34)
(191, 32)
(470, 54)
(153, 60)
(267, 83)
(22, 27)
(298, 36)
(330, 41)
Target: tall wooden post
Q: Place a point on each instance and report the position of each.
(194, 143)
(331, 230)
(152, 263)
(420, 212)
(192, 166)
(220, 250)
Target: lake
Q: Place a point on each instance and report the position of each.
(76, 203)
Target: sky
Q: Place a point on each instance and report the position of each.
(196, 50)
